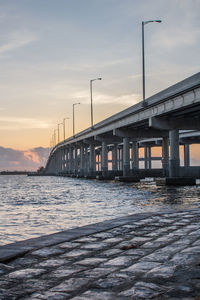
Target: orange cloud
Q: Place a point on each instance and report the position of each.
(31, 156)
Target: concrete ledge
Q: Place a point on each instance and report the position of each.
(14, 250)
(176, 181)
(128, 178)
(108, 177)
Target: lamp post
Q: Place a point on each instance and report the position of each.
(59, 133)
(91, 81)
(74, 118)
(54, 137)
(143, 57)
(64, 126)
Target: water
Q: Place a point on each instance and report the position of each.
(33, 206)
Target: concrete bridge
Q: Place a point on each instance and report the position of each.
(111, 148)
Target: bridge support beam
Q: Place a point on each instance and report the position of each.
(126, 157)
(186, 155)
(75, 160)
(104, 159)
(165, 156)
(70, 160)
(174, 166)
(135, 158)
(114, 158)
(81, 173)
(92, 160)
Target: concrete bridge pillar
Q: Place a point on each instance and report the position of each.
(70, 159)
(135, 157)
(67, 160)
(104, 159)
(81, 160)
(165, 156)
(147, 157)
(186, 155)
(75, 160)
(114, 158)
(85, 160)
(174, 166)
(92, 160)
(126, 157)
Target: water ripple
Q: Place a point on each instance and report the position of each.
(33, 206)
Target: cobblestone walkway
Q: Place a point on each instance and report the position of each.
(144, 256)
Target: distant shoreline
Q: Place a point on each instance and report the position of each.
(16, 172)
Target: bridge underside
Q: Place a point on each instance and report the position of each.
(121, 146)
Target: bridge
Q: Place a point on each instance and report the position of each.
(111, 148)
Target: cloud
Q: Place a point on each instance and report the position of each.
(16, 40)
(31, 160)
(21, 123)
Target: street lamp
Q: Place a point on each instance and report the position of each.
(143, 58)
(74, 118)
(91, 81)
(64, 126)
(55, 137)
(59, 133)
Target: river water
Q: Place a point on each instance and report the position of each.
(33, 206)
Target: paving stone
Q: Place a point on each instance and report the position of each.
(156, 257)
(70, 285)
(97, 272)
(110, 252)
(52, 263)
(118, 261)
(140, 293)
(95, 295)
(141, 267)
(163, 263)
(94, 246)
(69, 245)
(66, 271)
(5, 268)
(86, 239)
(113, 240)
(163, 272)
(49, 296)
(25, 273)
(91, 261)
(75, 253)
(45, 252)
(184, 258)
(103, 235)
(23, 261)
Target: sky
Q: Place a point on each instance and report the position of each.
(49, 51)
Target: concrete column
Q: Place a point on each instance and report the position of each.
(114, 158)
(146, 157)
(86, 160)
(92, 160)
(75, 160)
(174, 166)
(149, 157)
(135, 157)
(81, 160)
(67, 160)
(126, 157)
(70, 159)
(186, 155)
(165, 156)
(104, 159)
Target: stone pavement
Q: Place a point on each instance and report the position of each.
(143, 256)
